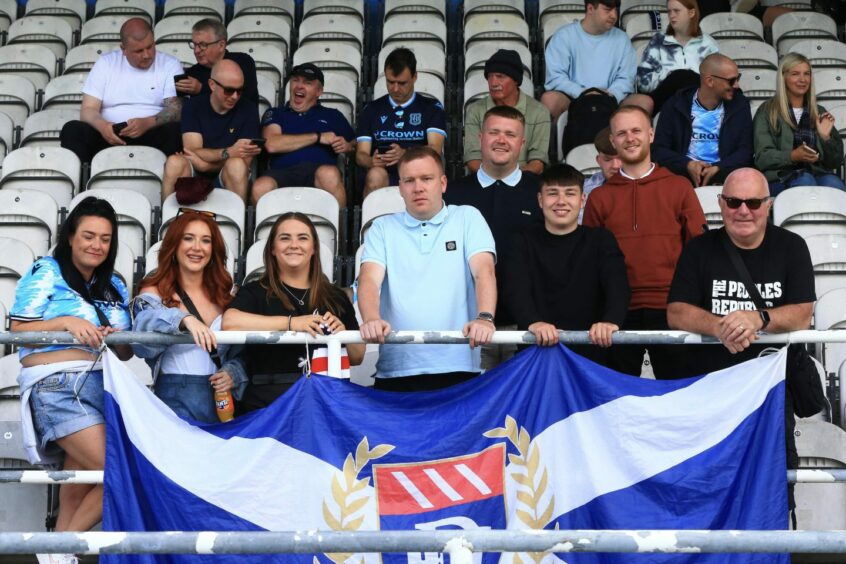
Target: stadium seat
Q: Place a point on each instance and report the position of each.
(640, 28)
(479, 52)
(828, 255)
(265, 28)
(175, 29)
(333, 27)
(247, 8)
(230, 211)
(830, 313)
(552, 8)
(404, 8)
(318, 204)
(269, 58)
(194, 8)
(811, 210)
(750, 54)
(64, 92)
(8, 13)
(331, 56)
(80, 59)
(820, 506)
(29, 216)
(790, 28)
(125, 266)
(710, 205)
(427, 84)
(839, 113)
(71, 11)
(496, 27)
(431, 59)
(415, 27)
(629, 8)
(830, 84)
(380, 202)
(15, 259)
(758, 84)
(134, 168)
(7, 135)
(476, 87)
(4, 317)
(313, 8)
(254, 266)
(48, 31)
(583, 158)
(183, 53)
(105, 29)
(134, 215)
(822, 52)
(724, 26)
(34, 62)
(133, 8)
(53, 170)
(472, 7)
(268, 93)
(557, 20)
(42, 129)
(151, 260)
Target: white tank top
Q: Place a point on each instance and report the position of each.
(189, 359)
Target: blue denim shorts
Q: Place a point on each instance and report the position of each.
(56, 413)
(189, 396)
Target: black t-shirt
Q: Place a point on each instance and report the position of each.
(219, 130)
(274, 359)
(248, 67)
(780, 267)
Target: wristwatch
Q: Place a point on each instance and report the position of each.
(485, 316)
(765, 318)
(225, 154)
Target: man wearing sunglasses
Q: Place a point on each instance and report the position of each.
(217, 133)
(707, 295)
(208, 41)
(705, 133)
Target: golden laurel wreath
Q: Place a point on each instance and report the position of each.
(345, 485)
(527, 473)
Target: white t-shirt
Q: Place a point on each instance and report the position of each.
(128, 92)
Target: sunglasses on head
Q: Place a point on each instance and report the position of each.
(751, 203)
(229, 90)
(198, 212)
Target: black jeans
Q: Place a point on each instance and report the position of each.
(668, 361)
(86, 141)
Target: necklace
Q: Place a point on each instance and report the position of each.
(300, 301)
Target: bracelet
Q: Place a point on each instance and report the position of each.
(290, 315)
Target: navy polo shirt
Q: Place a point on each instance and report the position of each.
(219, 130)
(317, 119)
(385, 122)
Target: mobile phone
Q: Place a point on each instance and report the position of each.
(259, 141)
(810, 149)
(178, 77)
(118, 127)
(383, 147)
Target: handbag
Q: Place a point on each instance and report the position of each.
(192, 190)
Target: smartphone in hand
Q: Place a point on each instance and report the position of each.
(118, 127)
(259, 141)
(810, 149)
(178, 77)
(383, 148)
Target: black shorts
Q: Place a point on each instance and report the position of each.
(300, 174)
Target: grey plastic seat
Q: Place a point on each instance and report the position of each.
(830, 84)
(175, 29)
(792, 27)
(555, 8)
(820, 506)
(42, 129)
(7, 135)
(629, 8)
(71, 11)
(8, 13)
(403, 8)
(583, 158)
(332, 27)
(180, 50)
(133, 8)
(134, 168)
(134, 215)
(36, 63)
(750, 54)
(822, 52)
(195, 8)
(82, 57)
(268, 93)
(556, 21)
(321, 207)
(267, 28)
(48, 31)
(103, 29)
(828, 255)
(30, 216)
(383, 201)
(269, 58)
(759, 84)
(733, 25)
(423, 26)
(497, 27)
(282, 8)
(331, 56)
(710, 205)
(64, 92)
(472, 7)
(811, 210)
(317, 7)
(53, 170)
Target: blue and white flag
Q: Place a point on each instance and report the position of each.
(548, 440)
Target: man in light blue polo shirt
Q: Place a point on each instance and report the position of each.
(428, 268)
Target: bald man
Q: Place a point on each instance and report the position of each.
(128, 98)
(705, 133)
(218, 130)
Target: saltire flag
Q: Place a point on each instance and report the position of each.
(547, 440)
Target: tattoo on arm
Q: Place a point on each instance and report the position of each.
(171, 112)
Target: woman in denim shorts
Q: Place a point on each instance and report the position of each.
(73, 290)
(192, 263)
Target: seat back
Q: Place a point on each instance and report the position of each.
(103, 29)
(16, 258)
(255, 261)
(828, 256)
(17, 97)
(51, 32)
(134, 215)
(811, 210)
(28, 60)
(380, 202)
(230, 211)
(282, 8)
(134, 8)
(134, 168)
(42, 129)
(53, 170)
(583, 158)
(64, 92)
(321, 207)
(195, 8)
(30, 216)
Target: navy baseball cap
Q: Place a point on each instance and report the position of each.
(309, 71)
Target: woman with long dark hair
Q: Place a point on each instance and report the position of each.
(293, 294)
(188, 292)
(73, 290)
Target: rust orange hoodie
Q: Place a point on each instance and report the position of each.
(652, 218)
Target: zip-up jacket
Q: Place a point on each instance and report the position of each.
(672, 136)
(652, 218)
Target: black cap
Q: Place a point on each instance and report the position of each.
(307, 70)
(507, 62)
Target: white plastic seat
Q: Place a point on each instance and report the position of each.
(8, 13)
(820, 506)
(125, 266)
(136, 168)
(480, 51)
(710, 205)
(29, 216)
(151, 260)
(629, 8)
(230, 211)
(104, 29)
(830, 84)
(552, 8)
(476, 87)
(42, 129)
(640, 27)
(792, 27)
(830, 313)
(269, 58)
(71, 11)
(556, 21)
(247, 8)
(134, 215)
(733, 25)
(266, 28)
(268, 93)
(53, 170)
(175, 29)
(254, 261)
(828, 256)
(321, 207)
(822, 52)
(7, 135)
(750, 54)
(759, 84)
(427, 84)
(34, 62)
(15, 260)
(497, 27)
(332, 27)
(383, 201)
(415, 27)
(180, 50)
(472, 7)
(404, 8)
(313, 8)
(430, 57)
(332, 55)
(48, 31)
(202, 8)
(64, 92)
(811, 210)
(80, 59)
(583, 158)
(134, 8)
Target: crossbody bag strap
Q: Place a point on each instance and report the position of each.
(743, 272)
(104, 321)
(192, 309)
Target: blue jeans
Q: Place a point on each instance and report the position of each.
(189, 396)
(807, 179)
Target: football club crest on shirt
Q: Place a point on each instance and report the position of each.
(383, 119)
(415, 118)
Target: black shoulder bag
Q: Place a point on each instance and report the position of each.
(192, 309)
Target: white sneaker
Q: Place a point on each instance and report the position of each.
(57, 559)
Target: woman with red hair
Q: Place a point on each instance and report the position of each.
(188, 292)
